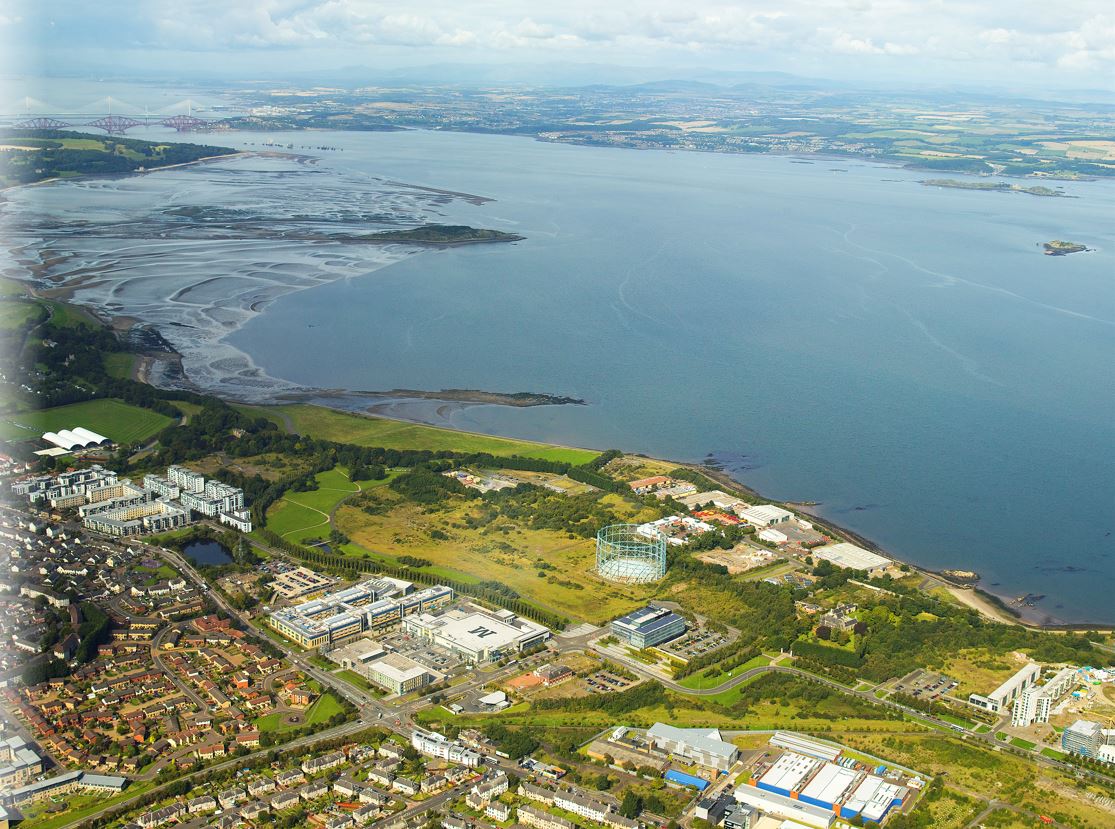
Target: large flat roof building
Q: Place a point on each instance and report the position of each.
(477, 635)
(697, 745)
(784, 807)
(788, 773)
(851, 557)
(398, 674)
(765, 515)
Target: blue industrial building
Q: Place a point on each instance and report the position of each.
(675, 776)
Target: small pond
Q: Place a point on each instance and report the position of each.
(207, 552)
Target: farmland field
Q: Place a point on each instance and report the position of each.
(327, 424)
(112, 418)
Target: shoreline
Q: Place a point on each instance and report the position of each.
(142, 172)
(988, 604)
(150, 368)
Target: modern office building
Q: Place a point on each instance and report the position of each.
(1035, 703)
(1009, 691)
(477, 635)
(1083, 737)
(397, 674)
(376, 605)
(649, 626)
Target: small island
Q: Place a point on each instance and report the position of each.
(519, 398)
(997, 187)
(1061, 248)
(442, 236)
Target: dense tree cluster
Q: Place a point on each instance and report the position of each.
(645, 695)
(514, 742)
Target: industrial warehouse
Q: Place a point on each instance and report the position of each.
(811, 783)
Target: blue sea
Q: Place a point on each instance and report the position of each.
(826, 329)
(834, 332)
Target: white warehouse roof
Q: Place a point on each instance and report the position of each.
(789, 770)
(830, 783)
(765, 514)
(82, 432)
(77, 437)
(850, 556)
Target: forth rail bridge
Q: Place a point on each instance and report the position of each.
(42, 118)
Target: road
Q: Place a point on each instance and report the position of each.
(869, 697)
(156, 657)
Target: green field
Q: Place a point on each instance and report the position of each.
(327, 424)
(359, 681)
(955, 720)
(698, 680)
(120, 364)
(16, 315)
(111, 418)
(301, 515)
(80, 806)
(324, 708)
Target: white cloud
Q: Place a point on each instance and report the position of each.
(1070, 37)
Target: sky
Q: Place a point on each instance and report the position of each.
(1013, 43)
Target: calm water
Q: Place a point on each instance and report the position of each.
(902, 354)
(831, 331)
(207, 552)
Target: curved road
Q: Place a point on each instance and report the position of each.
(868, 697)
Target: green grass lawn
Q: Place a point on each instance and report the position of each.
(698, 680)
(322, 709)
(325, 707)
(955, 720)
(112, 418)
(1018, 742)
(301, 515)
(1053, 754)
(359, 681)
(327, 424)
(83, 806)
(271, 722)
(69, 316)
